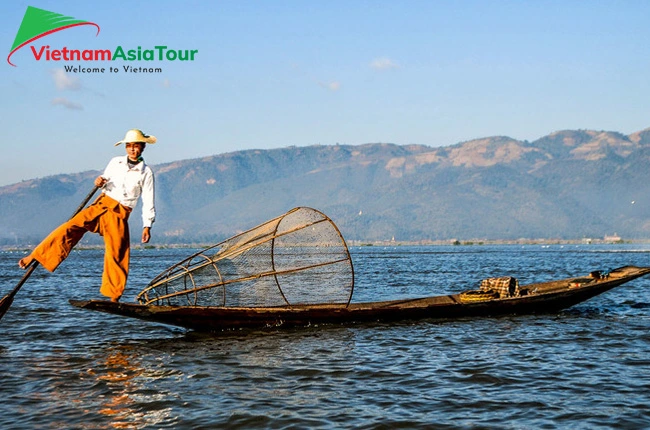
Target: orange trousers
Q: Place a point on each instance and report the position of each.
(107, 217)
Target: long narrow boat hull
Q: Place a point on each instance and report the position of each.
(537, 298)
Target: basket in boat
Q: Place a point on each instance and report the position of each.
(299, 257)
(478, 296)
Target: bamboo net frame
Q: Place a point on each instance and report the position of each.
(297, 258)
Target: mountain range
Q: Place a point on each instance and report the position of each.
(570, 184)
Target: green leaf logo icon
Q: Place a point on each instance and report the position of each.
(38, 23)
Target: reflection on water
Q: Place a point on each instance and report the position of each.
(119, 372)
(586, 367)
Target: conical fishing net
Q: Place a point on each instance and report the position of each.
(297, 258)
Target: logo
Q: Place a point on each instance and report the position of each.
(39, 23)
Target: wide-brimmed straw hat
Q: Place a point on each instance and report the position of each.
(135, 135)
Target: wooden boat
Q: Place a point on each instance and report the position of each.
(542, 297)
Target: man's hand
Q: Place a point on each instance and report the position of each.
(100, 181)
(146, 234)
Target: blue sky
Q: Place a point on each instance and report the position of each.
(272, 74)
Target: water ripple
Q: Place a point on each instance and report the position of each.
(583, 368)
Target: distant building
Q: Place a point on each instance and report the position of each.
(612, 238)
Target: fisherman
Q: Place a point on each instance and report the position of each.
(125, 179)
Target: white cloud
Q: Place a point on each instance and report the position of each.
(332, 86)
(62, 101)
(64, 81)
(383, 63)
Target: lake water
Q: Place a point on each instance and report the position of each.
(587, 367)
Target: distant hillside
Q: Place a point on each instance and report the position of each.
(567, 185)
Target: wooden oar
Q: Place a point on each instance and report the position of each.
(7, 300)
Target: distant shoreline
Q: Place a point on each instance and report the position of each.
(479, 242)
(380, 243)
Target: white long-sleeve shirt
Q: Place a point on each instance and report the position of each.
(125, 184)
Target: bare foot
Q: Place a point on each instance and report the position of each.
(24, 262)
(115, 299)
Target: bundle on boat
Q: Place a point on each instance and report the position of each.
(297, 258)
(494, 288)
